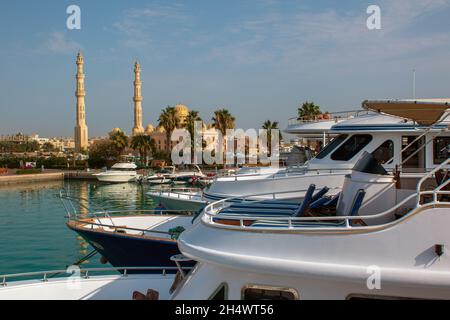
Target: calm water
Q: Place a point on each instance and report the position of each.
(33, 234)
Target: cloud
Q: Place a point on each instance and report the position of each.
(303, 38)
(139, 26)
(58, 43)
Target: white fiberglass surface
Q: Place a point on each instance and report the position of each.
(153, 222)
(92, 288)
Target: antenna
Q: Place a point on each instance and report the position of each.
(414, 84)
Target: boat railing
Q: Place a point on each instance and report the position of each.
(336, 116)
(140, 231)
(180, 193)
(74, 205)
(212, 211)
(85, 273)
(291, 171)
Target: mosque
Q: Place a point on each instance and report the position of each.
(158, 133)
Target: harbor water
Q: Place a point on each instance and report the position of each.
(34, 236)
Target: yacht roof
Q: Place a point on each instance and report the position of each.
(425, 112)
(124, 165)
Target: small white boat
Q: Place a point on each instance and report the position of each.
(187, 174)
(162, 176)
(119, 173)
(179, 199)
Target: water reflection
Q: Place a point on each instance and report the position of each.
(33, 232)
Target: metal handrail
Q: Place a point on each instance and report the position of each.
(86, 271)
(333, 116)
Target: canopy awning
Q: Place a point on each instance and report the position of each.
(424, 112)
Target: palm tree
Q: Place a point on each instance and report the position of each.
(223, 120)
(191, 118)
(269, 126)
(169, 121)
(308, 111)
(119, 141)
(144, 144)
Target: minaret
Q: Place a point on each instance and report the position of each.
(81, 130)
(138, 128)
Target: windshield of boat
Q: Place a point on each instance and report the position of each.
(331, 146)
(351, 147)
(165, 170)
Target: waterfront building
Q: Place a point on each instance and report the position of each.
(81, 129)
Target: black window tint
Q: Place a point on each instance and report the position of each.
(220, 293)
(351, 147)
(268, 294)
(384, 153)
(441, 149)
(331, 146)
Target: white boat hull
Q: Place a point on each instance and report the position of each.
(112, 178)
(177, 201)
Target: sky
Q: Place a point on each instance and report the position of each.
(260, 59)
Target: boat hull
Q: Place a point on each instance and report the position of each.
(115, 178)
(125, 250)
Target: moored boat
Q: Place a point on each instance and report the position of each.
(119, 173)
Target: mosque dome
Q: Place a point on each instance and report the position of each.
(160, 129)
(181, 110)
(149, 129)
(115, 130)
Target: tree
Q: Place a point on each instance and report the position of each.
(191, 118)
(119, 141)
(223, 120)
(144, 144)
(169, 120)
(308, 111)
(48, 147)
(100, 152)
(269, 126)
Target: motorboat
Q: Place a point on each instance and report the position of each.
(127, 237)
(119, 173)
(162, 176)
(379, 238)
(187, 174)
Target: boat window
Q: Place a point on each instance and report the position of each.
(441, 149)
(384, 153)
(413, 157)
(257, 292)
(221, 293)
(351, 147)
(331, 146)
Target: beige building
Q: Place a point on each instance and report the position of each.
(81, 130)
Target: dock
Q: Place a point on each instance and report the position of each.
(46, 176)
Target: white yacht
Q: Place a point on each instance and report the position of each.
(383, 239)
(119, 173)
(382, 135)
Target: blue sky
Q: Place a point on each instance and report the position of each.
(260, 59)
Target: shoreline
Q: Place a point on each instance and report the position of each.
(46, 176)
